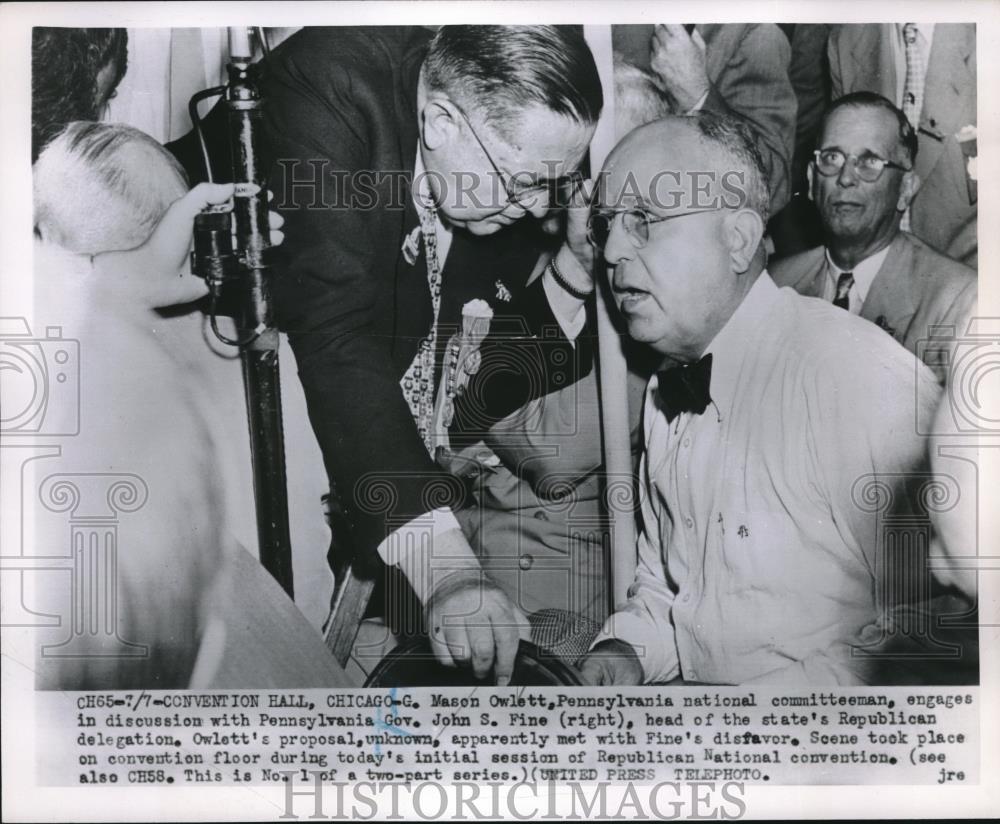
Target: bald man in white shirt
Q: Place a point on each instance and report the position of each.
(757, 562)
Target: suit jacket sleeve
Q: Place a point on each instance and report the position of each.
(754, 86)
(334, 276)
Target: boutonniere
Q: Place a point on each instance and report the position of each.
(503, 293)
(883, 324)
(411, 246)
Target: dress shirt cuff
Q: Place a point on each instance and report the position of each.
(411, 548)
(658, 663)
(569, 312)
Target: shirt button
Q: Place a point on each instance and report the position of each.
(526, 561)
(541, 516)
(687, 442)
(686, 597)
(689, 522)
(693, 675)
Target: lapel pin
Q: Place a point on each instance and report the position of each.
(411, 246)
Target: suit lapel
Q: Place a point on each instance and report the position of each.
(950, 80)
(950, 77)
(889, 302)
(808, 280)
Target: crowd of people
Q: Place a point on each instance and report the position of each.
(787, 219)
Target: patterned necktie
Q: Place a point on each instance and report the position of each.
(913, 88)
(685, 388)
(844, 284)
(418, 382)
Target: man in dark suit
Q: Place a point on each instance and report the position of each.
(402, 165)
(862, 180)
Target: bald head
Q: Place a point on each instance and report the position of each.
(680, 216)
(684, 163)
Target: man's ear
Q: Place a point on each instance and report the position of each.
(810, 175)
(908, 189)
(438, 122)
(743, 232)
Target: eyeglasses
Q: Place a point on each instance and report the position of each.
(636, 223)
(556, 190)
(868, 166)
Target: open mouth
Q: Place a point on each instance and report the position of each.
(628, 298)
(847, 206)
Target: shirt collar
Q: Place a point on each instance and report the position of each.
(864, 273)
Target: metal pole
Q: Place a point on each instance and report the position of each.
(612, 369)
(259, 352)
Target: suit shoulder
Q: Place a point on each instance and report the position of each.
(939, 279)
(933, 265)
(325, 55)
(787, 271)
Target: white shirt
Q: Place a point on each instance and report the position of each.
(864, 275)
(755, 562)
(925, 38)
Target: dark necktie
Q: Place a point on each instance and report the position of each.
(844, 284)
(685, 388)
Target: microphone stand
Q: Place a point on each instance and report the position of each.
(245, 273)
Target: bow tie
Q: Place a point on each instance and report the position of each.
(685, 388)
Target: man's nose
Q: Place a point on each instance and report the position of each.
(848, 173)
(619, 247)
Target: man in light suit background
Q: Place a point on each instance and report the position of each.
(732, 69)
(929, 71)
(862, 180)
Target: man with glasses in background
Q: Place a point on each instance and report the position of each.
(862, 180)
(758, 563)
(406, 165)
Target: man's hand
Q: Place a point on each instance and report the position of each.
(680, 62)
(170, 242)
(165, 254)
(470, 620)
(576, 226)
(611, 663)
